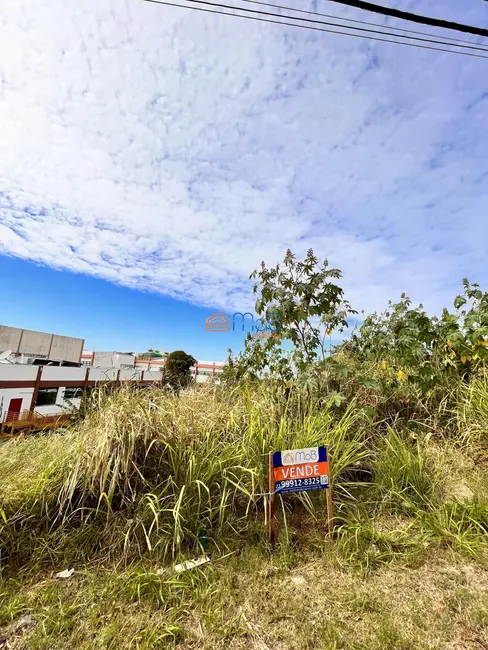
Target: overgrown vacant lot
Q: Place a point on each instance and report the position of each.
(293, 599)
(146, 477)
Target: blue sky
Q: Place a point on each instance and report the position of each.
(152, 157)
(106, 315)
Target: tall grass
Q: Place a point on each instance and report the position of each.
(150, 472)
(472, 411)
(405, 475)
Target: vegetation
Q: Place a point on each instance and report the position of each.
(150, 478)
(177, 375)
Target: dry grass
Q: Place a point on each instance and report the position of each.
(145, 472)
(31, 467)
(255, 601)
(131, 488)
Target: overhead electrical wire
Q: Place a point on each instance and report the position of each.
(217, 9)
(359, 22)
(416, 18)
(383, 31)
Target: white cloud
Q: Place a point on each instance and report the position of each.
(172, 151)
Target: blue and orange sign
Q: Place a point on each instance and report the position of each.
(300, 470)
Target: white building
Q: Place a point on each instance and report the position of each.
(202, 371)
(205, 370)
(44, 376)
(28, 391)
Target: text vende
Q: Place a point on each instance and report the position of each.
(307, 470)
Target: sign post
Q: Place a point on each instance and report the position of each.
(271, 509)
(330, 511)
(298, 470)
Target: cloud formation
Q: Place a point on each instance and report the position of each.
(172, 151)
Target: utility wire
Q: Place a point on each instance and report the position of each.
(310, 27)
(415, 18)
(359, 22)
(383, 31)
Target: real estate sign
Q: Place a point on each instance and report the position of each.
(300, 470)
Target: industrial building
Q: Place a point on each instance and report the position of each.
(23, 346)
(44, 376)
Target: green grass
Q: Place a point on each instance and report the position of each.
(136, 485)
(404, 474)
(257, 600)
(472, 411)
(146, 472)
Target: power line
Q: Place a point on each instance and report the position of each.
(415, 18)
(319, 29)
(359, 22)
(383, 31)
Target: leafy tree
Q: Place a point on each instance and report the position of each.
(177, 373)
(402, 332)
(463, 336)
(307, 303)
(233, 371)
(258, 361)
(422, 349)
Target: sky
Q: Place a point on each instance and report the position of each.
(152, 157)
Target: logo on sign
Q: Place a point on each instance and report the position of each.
(300, 456)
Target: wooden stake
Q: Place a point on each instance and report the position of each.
(271, 503)
(330, 513)
(330, 509)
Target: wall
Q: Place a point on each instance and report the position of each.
(9, 338)
(102, 374)
(130, 373)
(14, 372)
(66, 348)
(154, 375)
(60, 374)
(42, 344)
(37, 343)
(103, 359)
(124, 360)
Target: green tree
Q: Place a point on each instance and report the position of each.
(234, 369)
(308, 305)
(463, 336)
(177, 373)
(426, 349)
(259, 360)
(404, 333)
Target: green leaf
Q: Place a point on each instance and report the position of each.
(459, 301)
(335, 399)
(369, 383)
